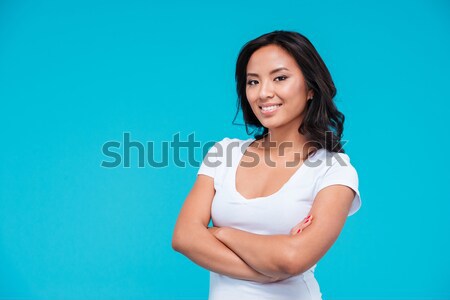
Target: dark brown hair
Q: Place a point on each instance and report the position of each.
(323, 123)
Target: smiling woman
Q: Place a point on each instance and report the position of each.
(275, 85)
(264, 197)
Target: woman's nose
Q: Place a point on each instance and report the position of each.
(266, 90)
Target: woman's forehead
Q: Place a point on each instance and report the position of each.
(269, 58)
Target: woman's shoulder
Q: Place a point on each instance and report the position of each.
(323, 160)
(227, 148)
(331, 155)
(224, 151)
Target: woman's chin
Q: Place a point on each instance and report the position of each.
(270, 125)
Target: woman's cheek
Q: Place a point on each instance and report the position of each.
(252, 101)
(250, 95)
(287, 91)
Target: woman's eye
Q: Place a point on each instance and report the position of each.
(280, 78)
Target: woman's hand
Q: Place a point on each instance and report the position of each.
(262, 278)
(297, 229)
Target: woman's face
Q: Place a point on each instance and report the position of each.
(276, 89)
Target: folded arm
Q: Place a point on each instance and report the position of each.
(289, 255)
(192, 238)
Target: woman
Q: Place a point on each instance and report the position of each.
(257, 190)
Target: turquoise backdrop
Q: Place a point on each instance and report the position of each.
(75, 75)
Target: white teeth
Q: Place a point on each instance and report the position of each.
(270, 108)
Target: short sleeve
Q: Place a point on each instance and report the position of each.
(342, 172)
(212, 160)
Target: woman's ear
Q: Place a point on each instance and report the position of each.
(310, 94)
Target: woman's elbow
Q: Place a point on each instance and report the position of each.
(179, 243)
(183, 238)
(293, 267)
(294, 263)
(176, 243)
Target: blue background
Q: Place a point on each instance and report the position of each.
(77, 74)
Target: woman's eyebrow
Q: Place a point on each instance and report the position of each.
(271, 72)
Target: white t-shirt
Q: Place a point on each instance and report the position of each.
(273, 214)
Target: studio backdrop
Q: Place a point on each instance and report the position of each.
(107, 108)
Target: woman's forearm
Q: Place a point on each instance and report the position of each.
(267, 254)
(203, 248)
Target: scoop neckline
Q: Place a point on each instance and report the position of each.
(239, 158)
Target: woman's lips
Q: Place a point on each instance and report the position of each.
(270, 110)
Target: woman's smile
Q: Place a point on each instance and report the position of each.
(269, 110)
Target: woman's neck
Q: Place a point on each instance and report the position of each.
(279, 141)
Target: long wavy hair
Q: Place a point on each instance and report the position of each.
(323, 123)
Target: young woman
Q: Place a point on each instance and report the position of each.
(257, 190)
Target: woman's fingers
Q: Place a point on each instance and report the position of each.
(300, 226)
(297, 227)
(305, 224)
